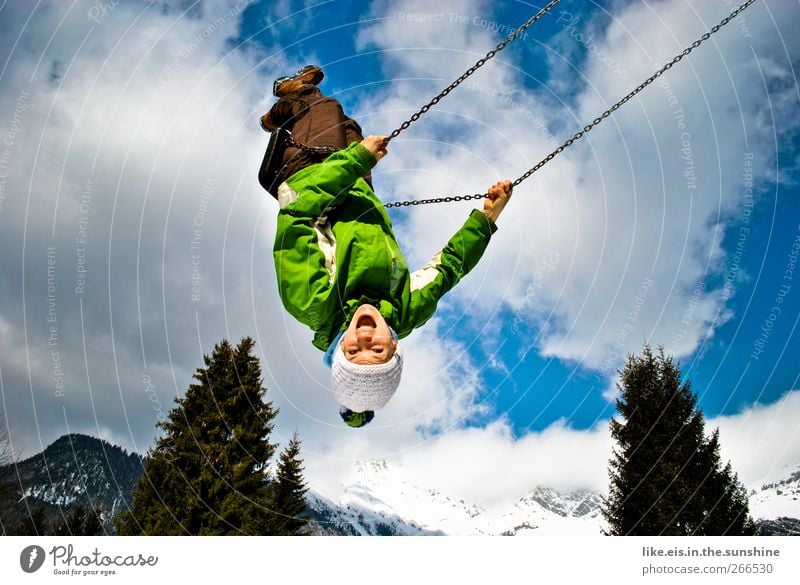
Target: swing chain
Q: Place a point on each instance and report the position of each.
(312, 150)
(502, 45)
(318, 150)
(448, 199)
(578, 135)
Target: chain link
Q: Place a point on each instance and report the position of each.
(478, 64)
(312, 150)
(448, 199)
(578, 135)
(319, 150)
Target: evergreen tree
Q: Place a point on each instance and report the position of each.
(208, 473)
(6, 492)
(80, 522)
(72, 524)
(6, 453)
(35, 524)
(93, 525)
(725, 496)
(666, 475)
(288, 492)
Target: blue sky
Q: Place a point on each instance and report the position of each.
(672, 222)
(724, 374)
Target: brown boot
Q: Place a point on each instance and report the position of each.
(266, 123)
(310, 74)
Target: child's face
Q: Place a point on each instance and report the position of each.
(368, 339)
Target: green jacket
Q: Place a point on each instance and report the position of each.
(335, 249)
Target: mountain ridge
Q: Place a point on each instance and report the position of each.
(75, 469)
(376, 498)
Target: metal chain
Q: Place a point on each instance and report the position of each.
(448, 199)
(321, 150)
(326, 150)
(595, 122)
(312, 150)
(502, 45)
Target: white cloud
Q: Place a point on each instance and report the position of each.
(763, 440)
(154, 111)
(489, 466)
(133, 128)
(635, 211)
(145, 145)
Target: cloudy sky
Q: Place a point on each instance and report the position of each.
(135, 235)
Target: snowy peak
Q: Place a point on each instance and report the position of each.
(75, 469)
(571, 504)
(778, 496)
(381, 497)
(356, 519)
(384, 492)
(789, 486)
(376, 497)
(375, 467)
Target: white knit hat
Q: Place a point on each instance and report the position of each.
(361, 387)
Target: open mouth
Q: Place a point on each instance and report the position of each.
(365, 321)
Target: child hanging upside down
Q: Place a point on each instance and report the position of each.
(341, 272)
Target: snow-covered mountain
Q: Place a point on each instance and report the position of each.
(376, 497)
(77, 467)
(74, 470)
(776, 496)
(379, 498)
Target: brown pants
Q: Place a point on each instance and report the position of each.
(314, 120)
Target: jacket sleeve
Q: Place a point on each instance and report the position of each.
(304, 242)
(460, 255)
